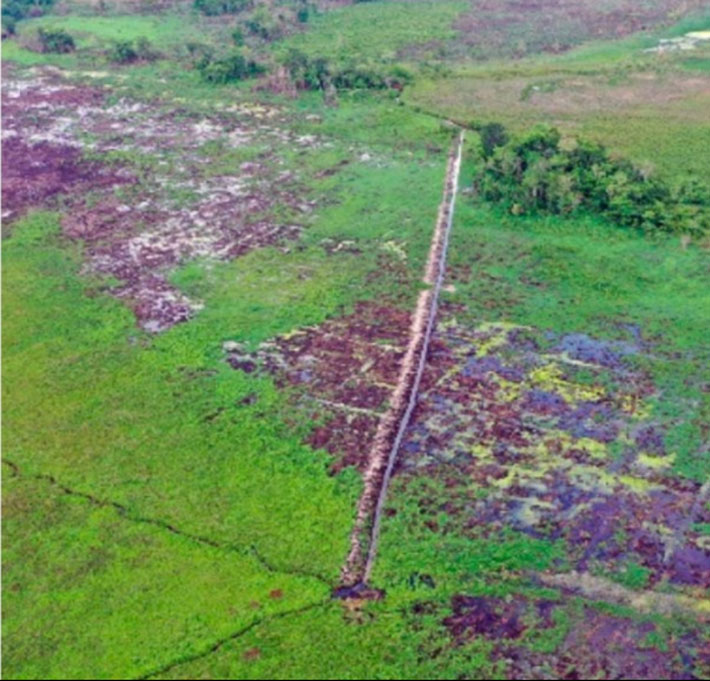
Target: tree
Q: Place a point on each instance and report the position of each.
(493, 135)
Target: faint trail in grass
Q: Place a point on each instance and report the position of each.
(358, 565)
(214, 647)
(126, 513)
(650, 602)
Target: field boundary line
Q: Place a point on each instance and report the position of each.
(214, 647)
(126, 513)
(359, 562)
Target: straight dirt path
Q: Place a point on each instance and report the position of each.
(363, 542)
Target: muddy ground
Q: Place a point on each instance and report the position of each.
(560, 440)
(135, 183)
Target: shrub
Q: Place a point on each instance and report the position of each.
(238, 37)
(318, 74)
(260, 28)
(145, 50)
(127, 51)
(532, 173)
(492, 135)
(265, 25)
(55, 41)
(123, 52)
(231, 68)
(8, 26)
(216, 7)
(199, 51)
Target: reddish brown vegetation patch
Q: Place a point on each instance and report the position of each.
(519, 27)
(251, 654)
(562, 443)
(177, 211)
(600, 646)
(345, 370)
(592, 644)
(33, 173)
(493, 618)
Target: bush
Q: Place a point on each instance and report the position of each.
(123, 52)
(238, 37)
(216, 7)
(145, 50)
(317, 74)
(127, 51)
(55, 41)
(228, 69)
(8, 26)
(493, 135)
(532, 174)
(265, 25)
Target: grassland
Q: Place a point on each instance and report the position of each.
(378, 30)
(168, 516)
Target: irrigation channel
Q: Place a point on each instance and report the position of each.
(357, 569)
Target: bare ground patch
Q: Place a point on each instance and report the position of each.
(343, 371)
(170, 206)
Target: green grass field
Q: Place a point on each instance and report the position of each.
(165, 515)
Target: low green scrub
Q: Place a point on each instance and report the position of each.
(534, 173)
(383, 641)
(14, 10)
(265, 25)
(576, 275)
(129, 51)
(375, 30)
(229, 68)
(216, 7)
(57, 41)
(319, 73)
(173, 423)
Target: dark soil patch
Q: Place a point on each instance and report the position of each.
(34, 173)
(493, 618)
(344, 371)
(600, 646)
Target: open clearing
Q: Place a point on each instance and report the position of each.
(209, 295)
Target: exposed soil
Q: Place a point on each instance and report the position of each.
(493, 618)
(158, 203)
(34, 173)
(344, 371)
(391, 428)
